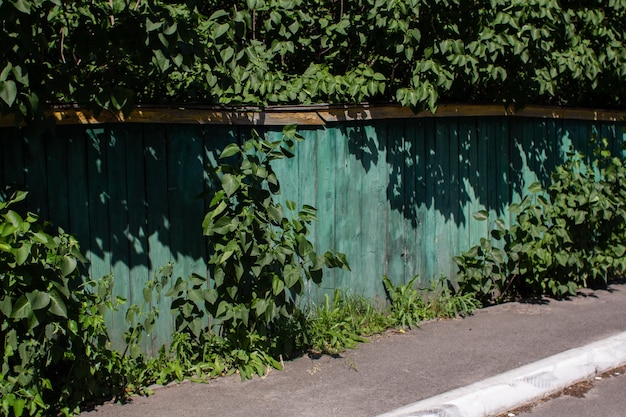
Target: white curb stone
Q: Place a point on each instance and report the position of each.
(523, 385)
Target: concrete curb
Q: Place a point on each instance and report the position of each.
(523, 385)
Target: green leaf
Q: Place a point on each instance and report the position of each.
(277, 285)
(22, 253)
(276, 213)
(67, 265)
(230, 184)
(121, 97)
(481, 215)
(230, 150)
(259, 305)
(196, 295)
(160, 60)
(535, 188)
(227, 54)
(134, 350)
(291, 275)
(22, 5)
(38, 299)
(220, 30)
(152, 26)
(18, 196)
(57, 305)
(6, 306)
(21, 308)
(72, 326)
(18, 405)
(218, 14)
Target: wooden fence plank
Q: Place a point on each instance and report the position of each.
(374, 209)
(57, 175)
(503, 175)
(327, 161)
(158, 223)
(348, 189)
(413, 191)
(135, 231)
(398, 164)
(118, 218)
(443, 203)
(455, 221)
(307, 193)
(36, 175)
(432, 184)
(78, 189)
(185, 148)
(471, 180)
(99, 251)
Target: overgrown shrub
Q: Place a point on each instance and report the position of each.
(261, 256)
(561, 239)
(55, 355)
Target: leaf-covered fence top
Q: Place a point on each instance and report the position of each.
(113, 54)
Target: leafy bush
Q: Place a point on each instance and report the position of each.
(414, 52)
(562, 238)
(261, 258)
(55, 355)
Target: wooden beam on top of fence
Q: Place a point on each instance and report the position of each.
(314, 115)
(366, 112)
(81, 116)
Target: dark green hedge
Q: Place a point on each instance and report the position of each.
(111, 54)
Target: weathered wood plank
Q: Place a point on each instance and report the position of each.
(443, 204)
(136, 229)
(348, 188)
(307, 193)
(397, 210)
(470, 178)
(455, 221)
(185, 150)
(158, 223)
(116, 178)
(78, 185)
(505, 174)
(99, 250)
(430, 217)
(57, 175)
(374, 112)
(36, 175)
(315, 115)
(375, 209)
(414, 190)
(327, 162)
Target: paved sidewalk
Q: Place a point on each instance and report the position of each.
(397, 369)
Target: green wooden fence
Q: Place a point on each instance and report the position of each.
(396, 196)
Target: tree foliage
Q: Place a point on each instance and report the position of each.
(112, 54)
